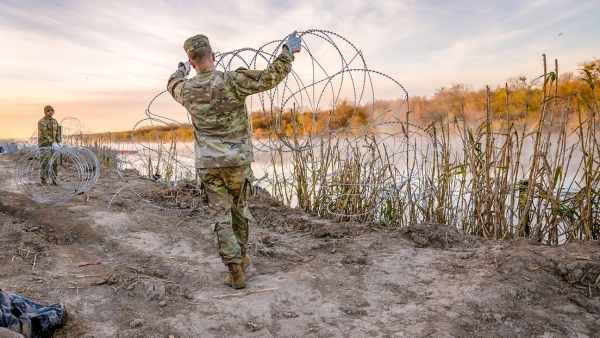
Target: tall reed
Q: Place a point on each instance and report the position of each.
(490, 177)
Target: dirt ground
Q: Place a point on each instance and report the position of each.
(161, 276)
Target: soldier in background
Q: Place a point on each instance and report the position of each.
(223, 142)
(48, 136)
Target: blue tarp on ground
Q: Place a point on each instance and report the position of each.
(17, 312)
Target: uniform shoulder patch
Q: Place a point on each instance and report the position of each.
(255, 74)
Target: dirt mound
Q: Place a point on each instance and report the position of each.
(185, 195)
(429, 234)
(583, 271)
(276, 217)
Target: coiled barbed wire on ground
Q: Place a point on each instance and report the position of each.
(68, 171)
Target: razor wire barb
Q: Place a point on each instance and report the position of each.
(67, 172)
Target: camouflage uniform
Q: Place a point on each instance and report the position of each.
(215, 101)
(48, 133)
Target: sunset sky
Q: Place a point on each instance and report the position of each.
(103, 61)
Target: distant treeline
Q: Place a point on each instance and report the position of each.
(165, 133)
(519, 99)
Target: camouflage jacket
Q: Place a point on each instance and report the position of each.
(48, 132)
(216, 103)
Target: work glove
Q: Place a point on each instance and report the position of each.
(293, 43)
(55, 146)
(185, 67)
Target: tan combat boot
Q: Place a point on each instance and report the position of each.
(236, 277)
(247, 261)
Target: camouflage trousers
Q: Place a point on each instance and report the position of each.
(227, 192)
(45, 158)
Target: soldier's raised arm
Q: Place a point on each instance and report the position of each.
(177, 79)
(248, 82)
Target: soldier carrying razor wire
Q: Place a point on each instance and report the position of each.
(215, 101)
(49, 138)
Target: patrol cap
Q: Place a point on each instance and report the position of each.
(195, 42)
(48, 107)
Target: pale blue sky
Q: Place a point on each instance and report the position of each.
(102, 61)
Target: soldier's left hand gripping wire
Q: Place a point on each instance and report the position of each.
(293, 43)
(185, 67)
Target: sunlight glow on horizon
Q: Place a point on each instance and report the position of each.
(102, 62)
